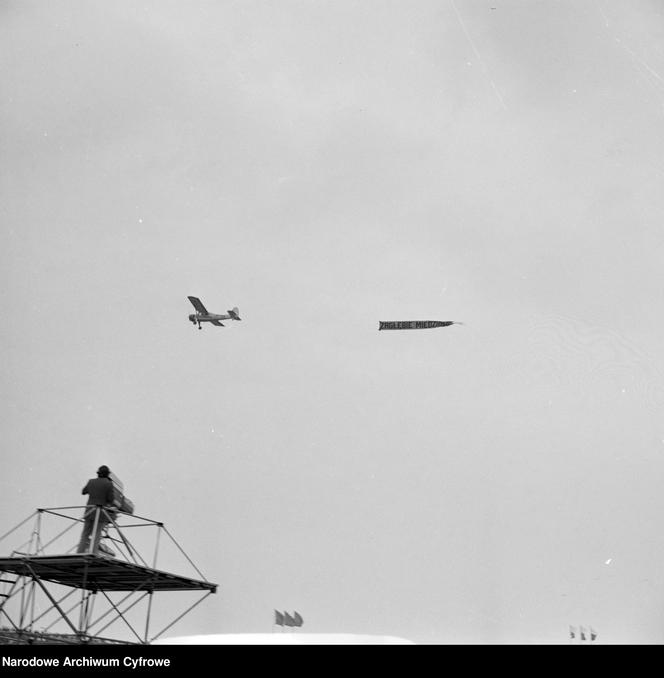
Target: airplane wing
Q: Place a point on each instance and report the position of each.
(198, 305)
(217, 323)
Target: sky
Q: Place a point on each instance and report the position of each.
(323, 166)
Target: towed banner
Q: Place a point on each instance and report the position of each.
(413, 324)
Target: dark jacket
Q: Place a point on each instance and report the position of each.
(100, 491)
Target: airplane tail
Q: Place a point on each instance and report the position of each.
(234, 314)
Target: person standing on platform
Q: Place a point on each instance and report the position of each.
(100, 502)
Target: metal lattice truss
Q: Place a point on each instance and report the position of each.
(46, 585)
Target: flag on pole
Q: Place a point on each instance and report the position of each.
(278, 618)
(288, 620)
(572, 632)
(297, 619)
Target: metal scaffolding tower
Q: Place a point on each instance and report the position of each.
(46, 585)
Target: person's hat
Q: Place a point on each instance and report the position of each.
(103, 471)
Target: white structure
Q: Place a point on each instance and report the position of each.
(284, 639)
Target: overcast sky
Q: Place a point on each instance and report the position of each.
(324, 165)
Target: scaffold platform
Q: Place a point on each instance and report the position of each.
(97, 572)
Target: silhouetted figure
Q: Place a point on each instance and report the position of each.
(100, 500)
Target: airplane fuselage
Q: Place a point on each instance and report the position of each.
(200, 318)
